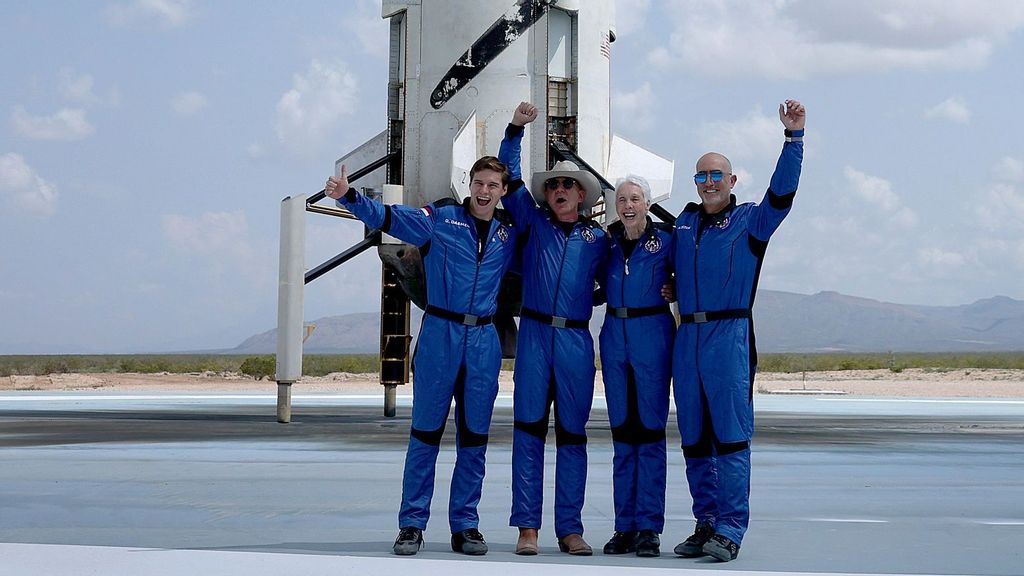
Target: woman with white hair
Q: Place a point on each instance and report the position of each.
(636, 352)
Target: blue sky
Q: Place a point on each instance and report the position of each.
(145, 146)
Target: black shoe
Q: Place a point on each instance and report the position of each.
(470, 542)
(409, 541)
(648, 545)
(722, 548)
(621, 543)
(693, 546)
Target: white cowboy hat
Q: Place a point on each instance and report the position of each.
(567, 169)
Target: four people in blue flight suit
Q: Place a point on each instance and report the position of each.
(710, 261)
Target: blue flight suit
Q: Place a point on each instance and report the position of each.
(555, 357)
(457, 355)
(717, 262)
(636, 356)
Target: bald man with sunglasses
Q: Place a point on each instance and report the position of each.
(719, 248)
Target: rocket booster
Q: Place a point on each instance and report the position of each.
(459, 68)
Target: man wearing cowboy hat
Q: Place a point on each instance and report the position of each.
(564, 251)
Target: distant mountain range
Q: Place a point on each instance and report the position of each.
(784, 322)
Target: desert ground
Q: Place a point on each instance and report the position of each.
(975, 383)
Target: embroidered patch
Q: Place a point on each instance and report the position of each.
(427, 211)
(588, 235)
(502, 234)
(653, 244)
(723, 224)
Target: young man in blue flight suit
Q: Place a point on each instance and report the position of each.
(636, 357)
(555, 358)
(466, 250)
(719, 248)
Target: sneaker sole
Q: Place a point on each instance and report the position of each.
(648, 553)
(719, 553)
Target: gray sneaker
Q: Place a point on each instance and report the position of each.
(693, 547)
(722, 548)
(469, 542)
(409, 541)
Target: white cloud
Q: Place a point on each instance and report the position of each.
(1009, 170)
(638, 106)
(80, 88)
(255, 151)
(65, 124)
(746, 189)
(317, 101)
(222, 241)
(939, 260)
(369, 28)
(171, 13)
(796, 39)
(879, 193)
(210, 233)
(752, 136)
(188, 103)
(76, 87)
(27, 190)
(630, 16)
(953, 109)
(1002, 208)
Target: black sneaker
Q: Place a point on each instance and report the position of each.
(648, 545)
(621, 543)
(693, 546)
(409, 541)
(470, 542)
(722, 548)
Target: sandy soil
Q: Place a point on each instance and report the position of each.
(913, 383)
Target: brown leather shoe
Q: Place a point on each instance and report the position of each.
(575, 544)
(527, 544)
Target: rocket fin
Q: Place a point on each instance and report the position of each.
(373, 149)
(628, 158)
(464, 155)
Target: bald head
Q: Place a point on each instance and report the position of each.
(714, 161)
(715, 194)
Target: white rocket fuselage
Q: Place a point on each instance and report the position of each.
(560, 62)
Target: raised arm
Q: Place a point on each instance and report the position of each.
(408, 224)
(787, 171)
(778, 199)
(519, 202)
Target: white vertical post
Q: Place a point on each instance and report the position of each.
(290, 288)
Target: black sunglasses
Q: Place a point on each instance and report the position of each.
(552, 183)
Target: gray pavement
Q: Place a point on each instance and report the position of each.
(154, 484)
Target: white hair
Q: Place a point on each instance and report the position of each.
(638, 181)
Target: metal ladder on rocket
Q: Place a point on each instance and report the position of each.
(457, 70)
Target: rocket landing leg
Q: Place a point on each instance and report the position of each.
(394, 338)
